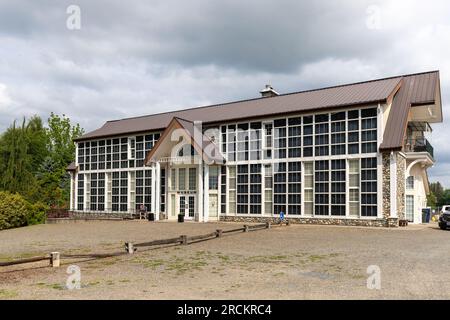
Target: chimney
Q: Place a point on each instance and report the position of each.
(268, 92)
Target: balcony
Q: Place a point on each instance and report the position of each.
(419, 145)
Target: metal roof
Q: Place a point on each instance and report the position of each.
(415, 88)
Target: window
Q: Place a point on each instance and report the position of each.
(120, 191)
(255, 188)
(231, 144)
(255, 141)
(279, 188)
(249, 188)
(308, 131)
(294, 188)
(268, 188)
(353, 132)
(242, 142)
(192, 178)
(223, 189)
(182, 179)
(308, 188)
(97, 192)
(410, 183)
(353, 174)
(268, 143)
(232, 189)
(410, 208)
(173, 179)
(132, 154)
(242, 189)
(369, 130)
(369, 187)
(163, 190)
(144, 189)
(280, 138)
(80, 192)
(295, 139)
(321, 135)
(338, 133)
(321, 188)
(213, 178)
(338, 189)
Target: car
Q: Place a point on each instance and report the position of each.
(444, 218)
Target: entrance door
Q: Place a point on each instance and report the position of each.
(213, 205)
(187, 206)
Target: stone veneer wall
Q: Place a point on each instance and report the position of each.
(99, 215)
(386, 163)
(401, 185)
(390, 223)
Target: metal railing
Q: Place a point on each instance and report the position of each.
(419, 145)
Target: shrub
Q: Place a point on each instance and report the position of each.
(36, 213)
(14, 210)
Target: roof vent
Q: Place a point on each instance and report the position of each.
(268, 92)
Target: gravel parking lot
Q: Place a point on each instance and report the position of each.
(294, 262)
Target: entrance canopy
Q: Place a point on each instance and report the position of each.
(183, 141)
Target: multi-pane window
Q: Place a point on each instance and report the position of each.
(279, 188)
(409, 208)
(143, 146)
(173, 179)
(338, 187)
(242, 142)
(182, 179)
(249, 188)
(163, 190)
(294, 188)
(410, 183)
(280, 133)
(353, 132)
(268, 140)
(294, 137)
(223, 131)
(143, 189)
(97, 198)
(242, 189)
(321, 188)
(268, 188)
(369, 130)
(213, 178)
(120, 191)
(308, 130)
(192, 179)
(369, 187)
(338, 133)
(80, 159)
(231, 143)
(308, 188)
(255, 141)
(232, 189)
(353, 180)
(321, 138)
(223, 189)
(80, 192)
(255, 188)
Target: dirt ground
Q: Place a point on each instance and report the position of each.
(294, 262)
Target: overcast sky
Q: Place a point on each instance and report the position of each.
(132, 58)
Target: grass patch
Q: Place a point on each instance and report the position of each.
(8, 294)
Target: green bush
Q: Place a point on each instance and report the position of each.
(36, 213)
(15, 211)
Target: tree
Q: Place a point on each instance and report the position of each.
(53, 179)
(431, 200)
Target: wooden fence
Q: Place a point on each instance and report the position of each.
(131, 248)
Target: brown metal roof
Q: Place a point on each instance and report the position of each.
(415, 90)
(345, 95)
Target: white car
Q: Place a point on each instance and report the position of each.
(445, 209)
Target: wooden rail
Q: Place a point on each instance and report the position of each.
(130, 248)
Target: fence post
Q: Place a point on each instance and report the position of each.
(55, 259)
(246, 228)
(183, 240)
(268, 224)
(218, 233)
(129, 247)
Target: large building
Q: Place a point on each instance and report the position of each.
(353, 154)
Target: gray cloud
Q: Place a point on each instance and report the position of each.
(142, 57)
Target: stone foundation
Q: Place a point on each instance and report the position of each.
(385, 223)
(386, 161)
(99, 215)
(401, 185)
